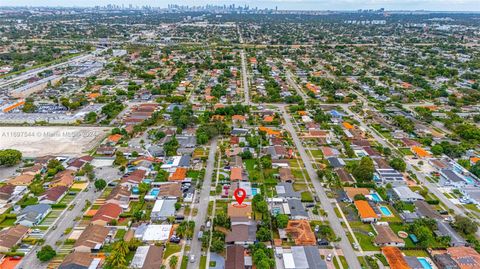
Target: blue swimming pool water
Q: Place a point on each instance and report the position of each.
(469, 180)
(376, 197)
(425, 263)
(275, 211)
(154, 192)
(135, 190)
(254, 191)
(375, 177)
(385, 211)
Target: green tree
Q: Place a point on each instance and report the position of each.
(46, 253)
(173, 261)
(91, 117)
(437, 149)
(398, 164)
(475, 169)
(282, 220)
(218, 245)
(465, 225)
(100, 184)
(171, 147)
(364, 170)
(264, 234)
(120, 159)
(10, 157)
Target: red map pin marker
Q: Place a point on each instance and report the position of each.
(240, 195)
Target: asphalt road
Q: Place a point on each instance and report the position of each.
(32, 73)
(348, 251)
(245, 78)
(64, 221)
(420, 175)
(202, 207)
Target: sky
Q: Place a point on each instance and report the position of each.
(435, 5)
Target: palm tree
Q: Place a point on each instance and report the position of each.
(173, 262)
(122, 248)
(116, 260)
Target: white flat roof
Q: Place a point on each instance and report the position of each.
(157, 232)
(288, 261)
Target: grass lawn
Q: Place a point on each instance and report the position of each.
(184, 262)
(366, 241)
(299, 186)
(343, 261)
(306, 197)
(7, 223)
(254, 173)
(472, 207)
(406, 151)
(120, 233)
(316, 153)
(416, 253)
(171, 249)
(203, 262)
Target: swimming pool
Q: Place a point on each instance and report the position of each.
(425, 263)
(376, 177)
(385, 211)
(154, 192)
(376, 197)
(254, 191)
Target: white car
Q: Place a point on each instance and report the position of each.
(192, 258)
(329, 257)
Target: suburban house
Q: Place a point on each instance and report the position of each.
(170, 190)
(242, 234)
(386, 236)
(405, 194)
(301, 232)
(33, 214)
(465, 257)
(389, 176)
(21, 180)
(12, 236)
(179, 175)
(444, 229)
(300, 257)
(237, 259)
(120, 195)
(63, 178)
(351, 192)
(445, 261)
(285, 174)
(424, 210)
(147, 257)
(236, 173)
(106, 213)
(239, 214)
(163, 209)
(395, 258)
(80, 260)
(91, 239)
(53, 195)
(9, 193)
(133, 179)
(366, 212)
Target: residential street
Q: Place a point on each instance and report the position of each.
(64, 221)
(202, 206)
(350, 255)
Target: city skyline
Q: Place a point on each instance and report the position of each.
(433, 5)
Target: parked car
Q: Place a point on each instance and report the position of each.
(192, 258)
(329, 257)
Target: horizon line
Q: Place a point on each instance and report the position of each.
(189, 6)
